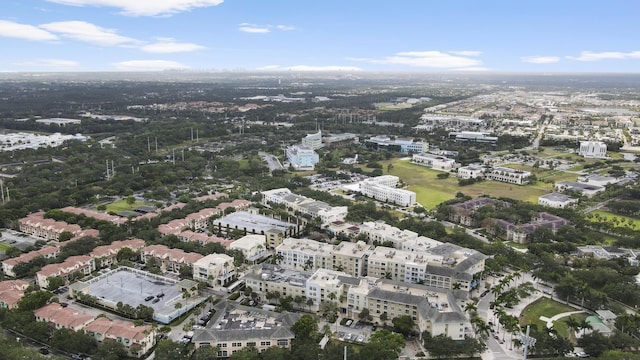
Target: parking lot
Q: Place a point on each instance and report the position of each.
(354, 332)
(17, 239)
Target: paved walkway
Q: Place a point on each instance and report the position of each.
(550, 321)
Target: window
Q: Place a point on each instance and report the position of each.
(236, 344)
(223, 345)
(283, 342)
(251, 343)
(265, 343)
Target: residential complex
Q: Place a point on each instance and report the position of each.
(215, 269)
(304, 205)
(234, 327)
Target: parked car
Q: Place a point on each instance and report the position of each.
(155, 300)
(349, 322)
(149, 298)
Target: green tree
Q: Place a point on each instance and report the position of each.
(305, 328)
(364, 315)
(34, 300)
(247, 353)
(403, 324)
(55, 282)
(73, 342)
(110, 350)
(170, 350)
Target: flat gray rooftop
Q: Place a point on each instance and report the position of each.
(133, 287)
(243, 219)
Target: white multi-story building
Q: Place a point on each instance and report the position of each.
(593, 149)
(302, 157)
(304, 254)
(405, 266)
(471, 172)
(313, 141)
(253, 247)
(508, 175)
(435, 162)
(215, 269)
(380, 232)
(328, 285)
(378, 189)
(304, 205)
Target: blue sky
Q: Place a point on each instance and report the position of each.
(348, 35)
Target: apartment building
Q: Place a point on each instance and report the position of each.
(137, 340)
(351, 258)
(80, 264)
(48, 229)
(234, 327)
(252, 223)
(215, 269)
(253, 247)
(463, 212)
(11, 291)
(304, 254)
(433, 309)
(169, 259)
(379, 232)
(62, 317)
(268, 278)
(519, 232)
(105, 256)
(304, 205)
(405, 266)
(328, 285)
(47, 252)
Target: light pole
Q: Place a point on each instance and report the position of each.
(526, 341)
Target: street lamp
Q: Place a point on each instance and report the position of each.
(526, 341)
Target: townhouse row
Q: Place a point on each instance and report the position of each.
(137, 340)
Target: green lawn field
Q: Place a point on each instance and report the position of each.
(547, 307)
(121, 205)
(431, 191)
(618, 220)
(4, 247)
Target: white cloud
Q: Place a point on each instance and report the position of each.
(90, 33)
(430, 59)
(540, 59)
(148, 65)
(254, 30)
(285, 27)
(466, 53)
(49, 63)
(473, 68)
(263, 29)
(23, 31)
(168, 45)
(310, 68)
(144, 7)
(592, 56)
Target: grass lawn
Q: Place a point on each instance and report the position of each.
(4, 247)
(431, 191)
(622, 221)
(547, 307)
(121, 205)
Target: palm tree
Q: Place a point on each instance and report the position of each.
(572, 324)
